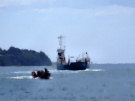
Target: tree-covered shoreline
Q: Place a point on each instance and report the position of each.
(23, 57)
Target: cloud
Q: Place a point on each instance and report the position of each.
(115, 10)
(6, 3)
(40, 10)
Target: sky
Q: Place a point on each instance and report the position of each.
(103, 28)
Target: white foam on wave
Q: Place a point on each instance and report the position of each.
(20, 72)
(96, 70)
(64, 71)
(77, 71)
(70, 71)
(26, 77)
(54, 72)
(22, 77)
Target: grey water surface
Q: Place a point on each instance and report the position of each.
(106, 82)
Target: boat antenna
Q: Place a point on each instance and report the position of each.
(60, 41)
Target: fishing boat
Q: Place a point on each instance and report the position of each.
(80, 63)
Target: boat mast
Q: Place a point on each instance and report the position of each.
(61, 41)
(61, 56)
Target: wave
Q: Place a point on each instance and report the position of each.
(21, 77)
(78, 71)
(52, 71)
(22, 72)
(25, 77)
(96, 70)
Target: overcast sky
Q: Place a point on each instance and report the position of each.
(103, 28)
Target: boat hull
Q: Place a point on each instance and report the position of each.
(73, 66)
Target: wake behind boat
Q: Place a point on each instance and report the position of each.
(80, 63)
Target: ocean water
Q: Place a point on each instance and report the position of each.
(99, 83)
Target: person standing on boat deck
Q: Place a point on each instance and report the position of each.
(47, 72)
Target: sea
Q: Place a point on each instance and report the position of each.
(101, 82)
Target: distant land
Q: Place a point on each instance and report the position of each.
(23, 57)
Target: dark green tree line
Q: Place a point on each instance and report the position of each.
(23, 57)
